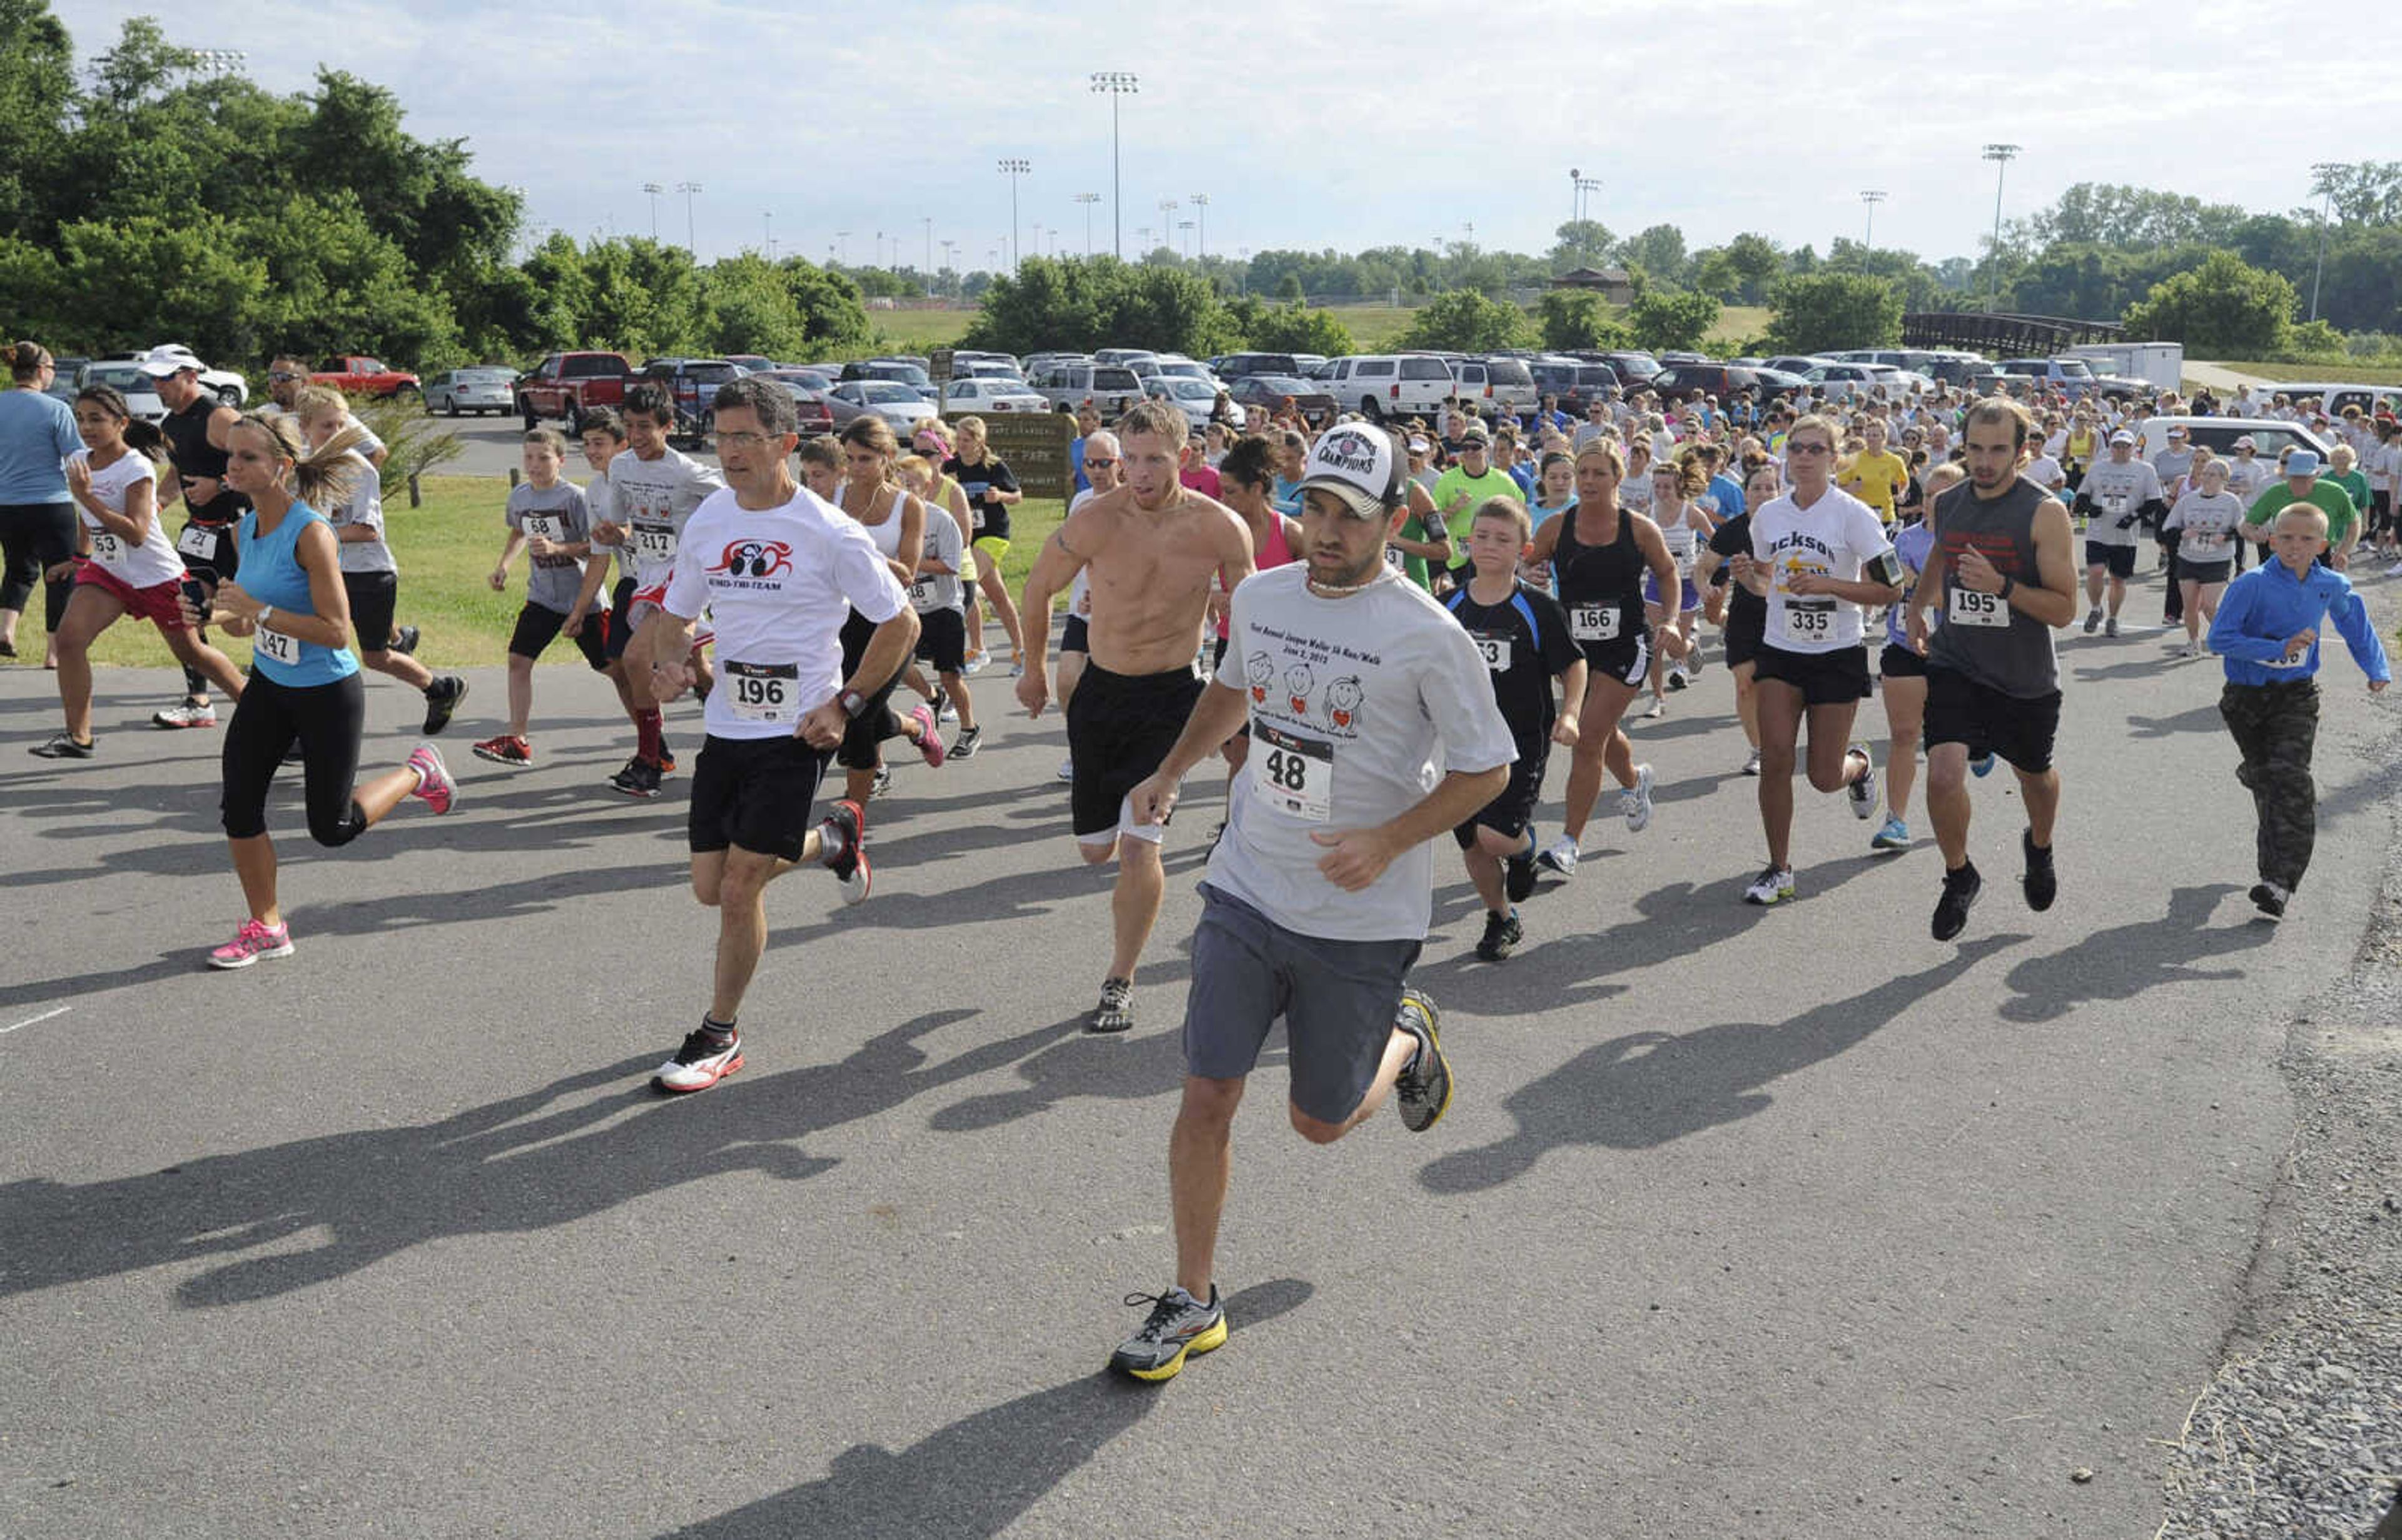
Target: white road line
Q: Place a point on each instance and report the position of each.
(32, 1020)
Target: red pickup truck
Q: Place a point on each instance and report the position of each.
(566, 385)
(354, 373)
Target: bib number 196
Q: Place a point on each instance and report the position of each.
(763, 692)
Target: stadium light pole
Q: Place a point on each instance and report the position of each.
(2323, 173)
(689, 189)
(1871, 197)
(1014, 167)
(654, 189)
(928, 220)
(1201, 203)
(2001, 155)
(1114, 84)
(1088, 200)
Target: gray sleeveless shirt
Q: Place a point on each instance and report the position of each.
(1995, 644)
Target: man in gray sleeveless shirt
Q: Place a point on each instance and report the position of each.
(2002, 571)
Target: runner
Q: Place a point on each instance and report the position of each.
(1684, 524)
(992, 490)
(2205, 523)
(1745, 613)
(1247, 478)
(1318, 897)
(2118, 496)
(304, 683)
(1875, 475)
(1598, 553)
(1810, 550)
(653, 490)
(895, 522)
(196, 427)
(781, 572)
(550, 518)
(37, 513)
(2267, 632)
(1152, 546)
(132, 568)
(2304, 483)
(1901, 675)
(603, 440)
(1104, 458)
(370, 575)
(939, 595)
(1522, 634)
(1465, 488)
(2003, 572)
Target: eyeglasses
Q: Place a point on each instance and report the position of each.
(1792, 448)
(745, 441)
(284, 374)
(1092, 464)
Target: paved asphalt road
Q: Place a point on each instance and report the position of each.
(1777, 1223)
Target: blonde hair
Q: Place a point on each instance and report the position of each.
(1607, 448)
(322, 478)
(1814, 421)
(313, 401)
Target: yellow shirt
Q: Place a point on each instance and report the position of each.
(1876, 479)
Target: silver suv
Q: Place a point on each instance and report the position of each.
(1110, 387)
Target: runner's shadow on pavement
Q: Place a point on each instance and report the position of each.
(2125, 960)
(2201, 719)
(977, 1477)
(549, 1157)
(1647, 1089)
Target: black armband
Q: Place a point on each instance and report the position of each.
(1887, 570)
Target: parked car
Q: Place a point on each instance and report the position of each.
(898, 404)
(1675, 355)
(1173, 363)
(1794, 364)
(476, 390)
(1121, 355)
(961, 357)
(815, 381)
(1272, 391)
(141, 393)
(897, 370)
(1382, 385)
(757, 364)
(566, 385)
(978, 368)
(1634, 366)
(810, 391)
(1234, 366)
(2308, 396)
(356, 374)
(2071, 375)
(1193, 397)
(1497, 384)
(63, 386)
(993, 395)
(1844, 381)
(1037, 363)
(1778, 382)
(2270, 437)
(228, 386)
(691, 385)
(1574, 381)
(1681, 381)
(1110, 387)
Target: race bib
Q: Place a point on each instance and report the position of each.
(553, 528)
(2291, 660)
(1395, 558)
(1809, 621)
(107, 548)
(275, 645)
(655, 542)
(1594, 623)
(762, 692)
(1971, 608)
(1496, 649)
(1294, 775)
(197, 540)
(923, 594)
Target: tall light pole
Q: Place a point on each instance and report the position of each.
(1576, 195)
(1586, 187)
(1114, 84)
(654, 189)
(928, 220)
(879, 250)
(689, 189)
(1167, 207)
(2323, 173)
(1088, 200)
(1038, 238)
(1201, 203)
(842, 248)
(1014, 167)
(1186, 224)
(1871, 197)
(2001, 155)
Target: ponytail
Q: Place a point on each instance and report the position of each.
(323, 477)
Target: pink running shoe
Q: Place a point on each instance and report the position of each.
(433, 782)
(251, 942)
(930, 737)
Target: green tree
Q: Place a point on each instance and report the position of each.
(1289, 288)
(1757, 263)
(2224, 308)
(645, 298)
(1466, 321)
(1289, 329)
(1072, 302)
(1817, 311)
(1577, 319)
(1659, 251)
(134, 283)
(1671, 318)
(36, 89)
(1581, 243)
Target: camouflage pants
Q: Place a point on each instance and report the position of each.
(2276, 727)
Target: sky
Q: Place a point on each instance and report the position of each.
(1325, 125)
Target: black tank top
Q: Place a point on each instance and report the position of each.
(1610, 575)
(188, 446)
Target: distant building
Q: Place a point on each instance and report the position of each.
(1611, 284)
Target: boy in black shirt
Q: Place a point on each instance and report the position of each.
(1523, 635)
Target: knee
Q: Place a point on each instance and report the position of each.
(1820, 781)
(1312, 1129)
(1095, 854)
(1209, 1104)
(333, 832)
(377, 658)
(705, 890)
(1495, 843)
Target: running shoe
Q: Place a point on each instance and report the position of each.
(944, 709)
(61, 747)
(505, 749)
(842, 846)
(930, 737)
(1679, 677)
(442, 698)
(1178, 1326)
(705, 1058)
(185, 714)
(2042, 879)
(1694, 661)
(977, 662)
(1960, 891)
(1115, 1013)
(1518, 871)
(1016, 668)
(2267, 896)
(2092, 620)
(251, 942)
(2395, 571)
(1654, 711)
(1982, 765)
(1773, 885)
(1560, 856)
(666, 761)
(1893, 836)
(404, 640)
(1863, 791)
(1067, 768)
(1422, 1091)
(7, 649)
(883, 782)
(969, 740)
(1751, 763)
(1502, 934)
(433, 782)
(639, 779)
(2110, 626)
(1636, 801)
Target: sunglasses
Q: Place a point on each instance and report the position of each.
(1103, 463)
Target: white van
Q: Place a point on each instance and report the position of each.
(2310, 396)
(1496, 384)
(1381, 385)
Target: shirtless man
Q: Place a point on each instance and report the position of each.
(1149, 550)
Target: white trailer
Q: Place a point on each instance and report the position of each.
(2162, 363)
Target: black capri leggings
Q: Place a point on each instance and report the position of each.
(327, 719)
(859, 749)
(34, 536)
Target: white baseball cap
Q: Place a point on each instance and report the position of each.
(174, 358)
(2121, 436)
(1356, 463)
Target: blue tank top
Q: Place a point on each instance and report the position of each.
(272, 574)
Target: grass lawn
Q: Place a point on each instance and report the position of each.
(446, 550)
(1372, 327)
(2345, 374)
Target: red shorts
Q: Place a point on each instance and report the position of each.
(157, 604)
(703, 633)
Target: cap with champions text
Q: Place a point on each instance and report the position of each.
(1357, 465)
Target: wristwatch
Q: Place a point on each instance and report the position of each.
(2008, 582)
(853, 703)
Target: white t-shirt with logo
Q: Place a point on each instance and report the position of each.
(2117, 494)
(145, 566)
(1354, 703)
(653, 499)
(2208, 524)
(778, 583)
(1834, 537)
